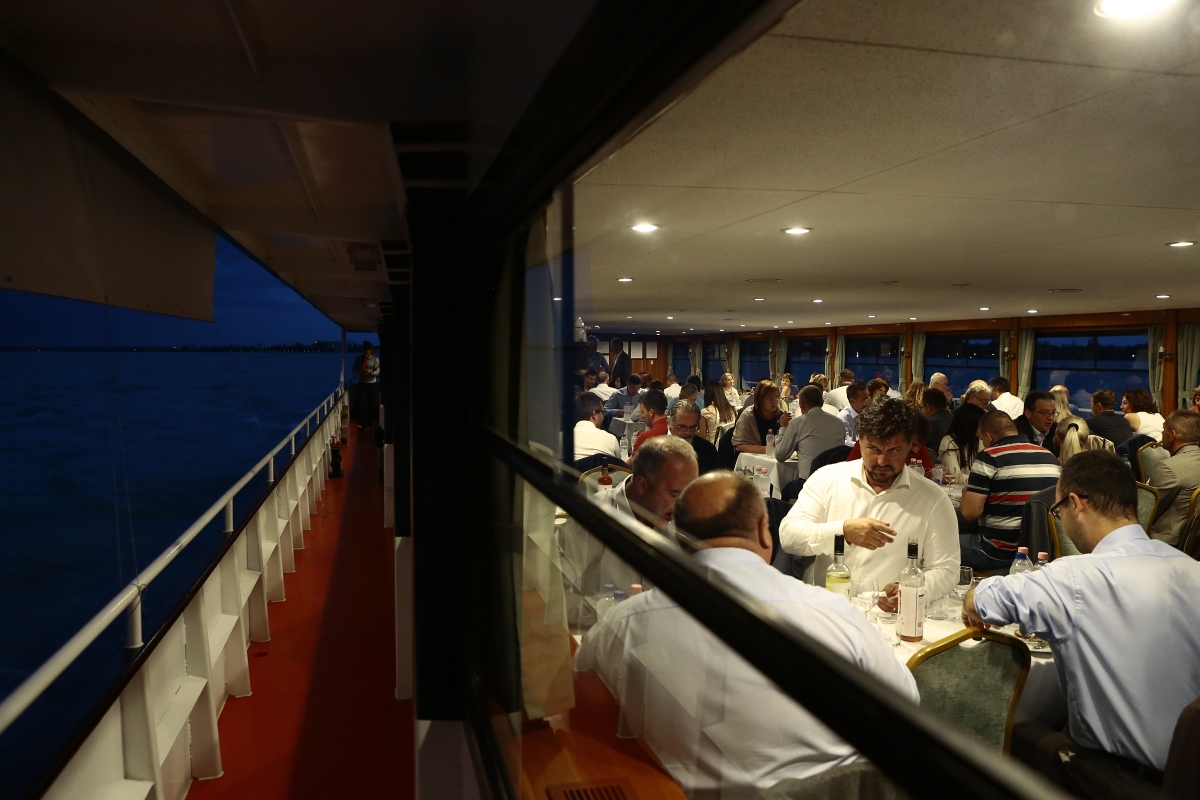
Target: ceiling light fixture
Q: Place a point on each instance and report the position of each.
(1180, 244)
(797, 231)
(828, 323)
(818, 301)
(985, 308)
(722, 330)
(912, 319)
(624, 280)
(759, 299)
(644, 227)
(743, 324)
(789, 322)
(558, 298)
(629, 318)
(1162, 296)
(670, 318)
(774, 326)
(1031, 311)
(870, 316)
(1130, 9)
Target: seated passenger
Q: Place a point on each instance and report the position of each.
(918, 456)
(1071, 438)
(936, 410)
(663, 467)
(1036, 424)
(1176, 477)
(628, 396)
(590, 439)
(672, 386)
(811, 433)
(1142, 413)
(877, 387)
(1004, 476)
(979, 394)
(685, 423)
(715, 412)
(857, 396)
(720, 727)
(1121, 620)
(652, 408)
(602, 389)
(763, 416)
(1003, 399)
(960, 445)
(1105, 421)
(837, 396)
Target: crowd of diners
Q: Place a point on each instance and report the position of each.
(1120, 618)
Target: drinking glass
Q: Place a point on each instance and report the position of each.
(866, 594)
(886, 622)
(966, 579)
(936, 608)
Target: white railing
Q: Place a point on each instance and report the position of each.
(257, 561)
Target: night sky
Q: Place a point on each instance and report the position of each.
(250, 307)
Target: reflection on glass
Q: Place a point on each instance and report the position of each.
(1088, 362)
(962, 359)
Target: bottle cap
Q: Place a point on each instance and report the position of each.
(1024, 550)
(912, 548)
(839, 544)
(1043, 556)
(619, 595)
(610, 587)
(635, 588)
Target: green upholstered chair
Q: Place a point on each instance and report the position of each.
(1062, 545)
(861, 780)
(975, 688)
(1147, 504)
(1148, 455)
(588, 480)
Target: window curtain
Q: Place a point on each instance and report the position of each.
(839, 361)
(698, 358)
(1154, 340)
(779, 347)
(1025, 348)
(1005, 335)
(735, 362)
(1188, 362)
(918, 357)
(671, 361)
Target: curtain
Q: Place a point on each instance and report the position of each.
(1187, 359)
(779, 347)
(829, 366)
(1025, 347)
(698, 358)
(918, 357)
(839, 361)
(1005, 341)
(735, 361)
(671, 360)
(1154, 340)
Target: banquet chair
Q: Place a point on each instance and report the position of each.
(1037, 532)
(862, 780)
(1100, 443)
(726, 453)
(834, 455)
(1062, 544)
(1181, 777)
(1147, 456)
(975, 688)
(588, 480)
(1147, 508)
(1189, 540)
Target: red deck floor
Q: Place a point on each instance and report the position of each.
(323, 721)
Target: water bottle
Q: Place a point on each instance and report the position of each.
(624, 448)
(618, 596)
(607, 599)
(1021, 562)
(770, 444)
(937, 473)
(1043, 560)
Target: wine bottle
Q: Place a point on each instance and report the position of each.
(911, 622)
(837, 577)
(605, 479)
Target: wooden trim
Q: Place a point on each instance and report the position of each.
(961, 326)
(1014, 363)
(907, 369)
(1106, 321)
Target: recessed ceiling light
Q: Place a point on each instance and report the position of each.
(985, 308)
(870, 316)
(629, 318)
(1162, 296)
(789, 322)
(644, 227)
(818, 301)
(797, 231)
(558, 298)
(828, 323)
(722, 330)
(670, 318)
(1180, 244)
(691, 329)
(743, 324)
(1130, 9)
(912, 319)
(624, 280)
(759, 299)
(774, 326)
(1032, 311)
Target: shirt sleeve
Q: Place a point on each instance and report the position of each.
(982, 472)
(791, 437)
(806, 530)
(941, 553)
(745, 431)
(1043, 602)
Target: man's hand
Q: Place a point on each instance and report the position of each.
(891, 598)
(869, 533)
(970, 617)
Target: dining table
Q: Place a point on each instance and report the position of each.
(779, 473)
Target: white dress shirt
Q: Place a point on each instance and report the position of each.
(1124, 626)
(837, 398)
(1010, 404)
(720, 727)
(914, 507)
(590, 441)
(672, 390)
(603, 391)
(848, 415)
(809, 435)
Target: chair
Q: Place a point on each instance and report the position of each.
(976, 688)
(1037, 532)
(726, 453)
(1182, 774)
(1147, 504)
(1189, 540)
(834, 455)
(792, 490)
(588, 480)
(1100, 443)
(1062, 545)
(1128, 449)
(599, 459)
(1147, 456)
(862, 780)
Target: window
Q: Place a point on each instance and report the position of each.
(1091, 361)
(804, 357)
(962, 359)
(714, 361)
(681, 360)
(874, 357)
(754, 362)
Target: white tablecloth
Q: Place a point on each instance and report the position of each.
(620, 426)
(780, 474)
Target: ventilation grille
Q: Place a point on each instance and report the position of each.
(615, 789)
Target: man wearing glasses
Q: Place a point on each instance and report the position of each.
(1122, 622)
(1037, 424)
(685, 423)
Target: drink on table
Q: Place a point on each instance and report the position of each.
(937, 474)
(837, 577)
(1043, 560)
(770, 444)
(911, 623)
(624, 448)
(606, 601)
(1021, 562)
(605, 479)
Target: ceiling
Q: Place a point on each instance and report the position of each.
(947, 155)
(300, 127)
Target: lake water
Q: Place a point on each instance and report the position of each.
(106, 459)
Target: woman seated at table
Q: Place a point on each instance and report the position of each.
(1072, 436)
(960, 445)
(763, 417)
(786, 390)
(1141, 411)
(918, 453)
(715, 413)
(878, 387)
(915, 396)
(731, 393)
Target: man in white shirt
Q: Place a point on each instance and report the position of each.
(837, 397)
(590, 439)
(811, 433)
(663, 467)
(672, 388)
(1121, 619)
(602, 389)
(1004, 400)
(857, 396)
(878, 505)
(718, 725)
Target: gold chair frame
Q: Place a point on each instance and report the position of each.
(955, 639)
(1191, 513)
(1138, 456)
(1157, 501)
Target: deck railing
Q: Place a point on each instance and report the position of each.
(229, 608)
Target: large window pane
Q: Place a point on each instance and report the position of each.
(1090, 361)
(681, 361)
(754, 362)
(874, 357)
(806, 356)
(962, 359)
(715, 364)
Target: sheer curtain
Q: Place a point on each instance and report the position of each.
(1005, 341)
(839, 360)
(735, 362)
(918, 357)
(1025, 348)
(698, 358)
(1188, 362)
(671, 361)
(1154, 340)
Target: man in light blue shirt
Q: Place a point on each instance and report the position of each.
(1122, 620)
(856, 397)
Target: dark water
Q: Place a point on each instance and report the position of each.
(105, 459)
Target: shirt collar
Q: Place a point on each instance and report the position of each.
(1014, 439)
(712, 554)
(859, 476)
(1118, 536)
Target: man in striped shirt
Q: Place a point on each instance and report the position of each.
(1003, 478)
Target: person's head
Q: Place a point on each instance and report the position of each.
(885, 432)
(672, 379)
(663, 466)
(689, 392)
(1196, 399)
(635, 383)
(785, 380)
(877, 387)
(994, 426)
(714, 397)
(915, 395)
(727, 380)
(920, 428)
(811, 396)
(978, 394)
(589, 379)
(1062, 402)
(1039, 410)
(616, 345)
(368, 349)
(999, 385)
(602, 379)
(589, 407)
(652, 405)
(766, 399)
(685, 419)
(1103, 400)
(1138, 401)
(932, 401)
(592, 343)
(845, 377)
(645, 376)
(964, 430)
(820, 380)
(696, 380)
(857, 395)
(724, 509)
(938, 381)
(657, 385)
(1072, 435)
(1096, 494)
(1181, 428)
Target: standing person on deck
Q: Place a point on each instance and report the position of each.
(618, 376)
(366, 367)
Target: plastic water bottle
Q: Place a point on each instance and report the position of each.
(608, 599)
(1043, 560)
(938, 473)
(770, 444)
(624, 448)
(1021, 562)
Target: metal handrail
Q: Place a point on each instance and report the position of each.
(129, 598)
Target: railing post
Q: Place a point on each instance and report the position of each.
(293, 445)
(133, 623)
(271, 470)
(307, 429)
(229, 516)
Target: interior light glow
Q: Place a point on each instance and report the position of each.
(1032, 311)
(818, 301)
(870, 316)
(670, 318)
(1130, 9)
(743, 324)
(796, 231)
(1180, 244)
(558, 298)
(828, 323)
(789, 322)
(644, 227)
(759, 299)
(912, 319)
(985, 308)
(774, 326)
(722, 330)
(629, 318)
(624, 280)
(1162, 296)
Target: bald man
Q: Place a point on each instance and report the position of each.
(648, 643)
(1177, 477)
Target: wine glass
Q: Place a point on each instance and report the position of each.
(866, 593)
(966, 579)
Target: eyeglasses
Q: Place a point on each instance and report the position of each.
(1056, 509)
(692, 428)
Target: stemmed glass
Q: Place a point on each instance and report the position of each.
(866, 594)
(966, 579)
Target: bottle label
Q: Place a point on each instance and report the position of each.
(911, 622)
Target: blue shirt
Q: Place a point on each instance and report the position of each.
(1124, 624)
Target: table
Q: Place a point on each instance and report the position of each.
(619, 426)
(780, 474)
